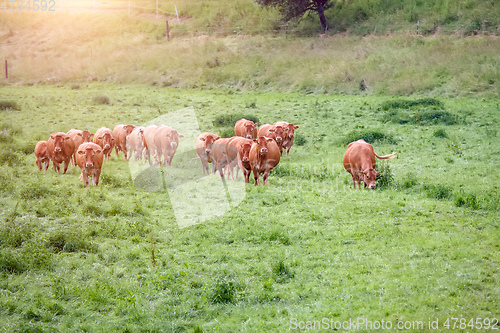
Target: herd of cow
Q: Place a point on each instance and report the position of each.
(254, 149)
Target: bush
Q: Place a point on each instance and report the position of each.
(299, 139)
(368, 136)
(9, 105)
(230, 119)
(435, 117)
(385, 179)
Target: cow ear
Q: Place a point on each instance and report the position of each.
(255, 140)
(98, 151)
(295, 127)
(377, 173)
(181, 136)
(269, 139)
(99, 138)
(52, 136)
(66, 137)
(203, 139)
(271, 130)
(217, 138)
(79, 134)
(81, 152)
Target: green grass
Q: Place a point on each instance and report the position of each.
(307, 246)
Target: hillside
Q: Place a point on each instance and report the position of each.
(81, 46)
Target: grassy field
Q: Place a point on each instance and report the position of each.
(422, 247)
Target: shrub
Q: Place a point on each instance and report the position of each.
(385, 179)
(368, 136)
(9, 105)
(438, 191)
(230, 119)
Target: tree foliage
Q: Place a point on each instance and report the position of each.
(292, 9)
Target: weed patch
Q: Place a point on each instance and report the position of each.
(224, 291)
(9, 105)
(226, 120)
(66, 241)
(368, 136)
(466, 200)
(385, 179)
(440, 133)
(439, 192)
(299, 139)
(282, 272)
(101, 99)
(408, 104)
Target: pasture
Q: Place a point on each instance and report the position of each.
(421, 247)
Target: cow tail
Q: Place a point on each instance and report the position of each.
(386, 157)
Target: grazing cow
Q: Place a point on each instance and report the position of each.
(275, 132)
(264, 156)
(60, 148)
(243, 162)
(148, 142)
(245, 128)
(223, 154)
(166, 141)
(89, 157)
(78, 138)
(120, 133)
(359, 161)
(204, 150)
(42, 155)
(104, 138)
(135, 142)
(289, 130)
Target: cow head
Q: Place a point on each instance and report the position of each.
(128, 129)
(209, 140)
(250, 127)
(261, 142)
(59, 138)
(278, 133)
(89, 153)
(85, 135)
(290, 130)
(107, 140)
(368, 177)
(245, 151)
(174, 138)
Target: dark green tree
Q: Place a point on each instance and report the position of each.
(292, 9)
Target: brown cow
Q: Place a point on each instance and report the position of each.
(166, 141)
(204, 150)
(243, 162)
(135, 142)
(42, 155)
(223, 154)
(275, 132)
(359, 161)
(89, 158)
(289, 130)
(264, 156)
(60, 148)
(148, 141)
(78, 137)
(245, 128)
(120, 133)
(104, 138)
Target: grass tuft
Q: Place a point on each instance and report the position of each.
(440, 133)
(368, 136)
(282, 272)
(223, 291)
(466, 200)
(9, 105)
(408, 104)
(101, 99)
(439, 192)
(227, 120)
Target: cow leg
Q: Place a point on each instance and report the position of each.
(39, 164)
(246, 173)
(85, 178)
(56, 166)
(95, 178)
(265, 176)
(256, 177)
(46, 164)
(66, 165)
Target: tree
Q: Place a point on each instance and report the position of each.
(291, 9)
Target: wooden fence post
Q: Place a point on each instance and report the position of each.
(168, 31)
(6, 70)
